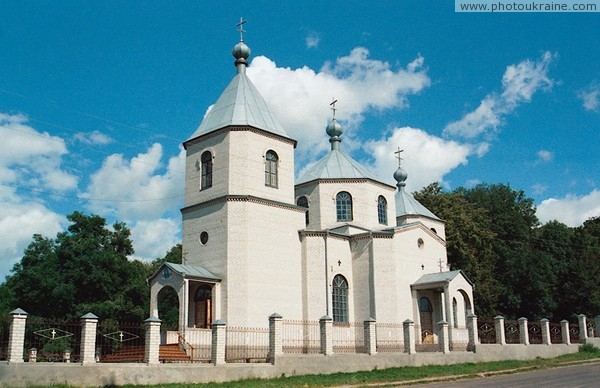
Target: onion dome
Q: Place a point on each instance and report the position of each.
(400, 176)
(334, 130)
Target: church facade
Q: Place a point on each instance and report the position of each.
(335, 242)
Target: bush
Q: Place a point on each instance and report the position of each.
(589, 348)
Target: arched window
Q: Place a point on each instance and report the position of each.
(382, 210)
(271, 160)
(425, 305)
(340, 299)
(455, 312)
(207, 168)
(303, 202)
(343, 203)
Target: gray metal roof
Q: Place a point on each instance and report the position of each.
(439, 277)
(192, 271)
(406, 204)
(241, 105)
(336, 165)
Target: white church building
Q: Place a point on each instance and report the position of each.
(335, 242)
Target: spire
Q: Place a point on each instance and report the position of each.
(241, 51)
(334, 129)
(400, 175)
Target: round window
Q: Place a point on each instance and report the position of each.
(203, 238)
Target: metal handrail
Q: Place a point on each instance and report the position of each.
(182, 341)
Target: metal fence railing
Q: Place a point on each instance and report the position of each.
(120, 341)
(348, 337)
(53, 340)
(390, 337)
(301, 336)
(245, 344)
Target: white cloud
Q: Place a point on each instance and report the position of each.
(300, 97)
(544, 156)
(591, 97)
(93, 138)
(153, 238)
(571, 210)
(519, 83)
(312, 40)
(29, 160)
(480, 120)
(32, 158)
(135, 189)
(426, 159)
(19, 221)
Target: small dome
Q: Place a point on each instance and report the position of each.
(241, 51)
(400, 175)
(334, 129)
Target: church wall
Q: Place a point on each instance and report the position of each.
(210, 219)
(364, 204)
(415, 261)
(218, 146)
(339, 262)
(247, 152)
(362, 278)
(317, 291)
(438, 226)
(311, 192)
(391, 297)
(264, 266)
(313, 277)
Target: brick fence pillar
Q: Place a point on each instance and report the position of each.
(275, 336)
(582, 328)
(219, 342)
(546, 338)
(87, 351)
(409, 337)
(564, 329)
(326, 325)
(500, 333)
(371, 336)
(16, 336)
(473, 334)
(152, 350)
(443, 337)
(523, 331)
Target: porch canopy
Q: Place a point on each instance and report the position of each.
(179, 277)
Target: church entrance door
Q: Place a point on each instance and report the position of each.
(426, 318)
(203, 301)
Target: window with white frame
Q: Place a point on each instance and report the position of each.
(382, 210)
(271, 160)
(340, 299)
(207, 169)
(343, 203)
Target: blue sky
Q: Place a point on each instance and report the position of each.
(97, 97)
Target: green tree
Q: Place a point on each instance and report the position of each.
(469, 242)
(84, 269)
(513, 218)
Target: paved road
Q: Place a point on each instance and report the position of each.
(585, 375)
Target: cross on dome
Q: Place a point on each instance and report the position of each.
(240, 26)
(399, 156)
(333, 108)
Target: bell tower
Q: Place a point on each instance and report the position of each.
(239, 186)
